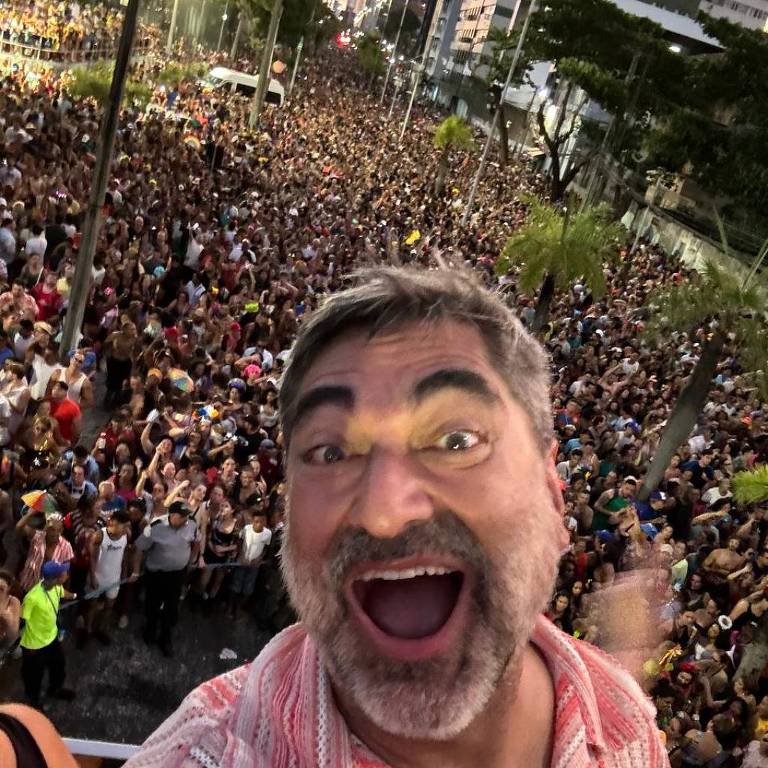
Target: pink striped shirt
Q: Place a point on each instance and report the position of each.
(62, 553)
(279, 712)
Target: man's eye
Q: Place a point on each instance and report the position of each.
(324, 454)
(459, 440)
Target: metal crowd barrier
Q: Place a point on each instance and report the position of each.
(40, 51)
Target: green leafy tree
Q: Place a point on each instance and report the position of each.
(300, 18)
(620, 61)
(371, 57)
(410, 29)
(554, 248)
(451, 135)
(95, 81)
(751, 487)
(718, 133)
(731, 309)
(174, 73)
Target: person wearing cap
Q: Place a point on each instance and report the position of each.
(167, 546)
(40, 644)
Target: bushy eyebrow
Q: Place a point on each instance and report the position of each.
(462, 379)
(336, 395)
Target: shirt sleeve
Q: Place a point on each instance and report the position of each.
(27, 609)
(144, 542)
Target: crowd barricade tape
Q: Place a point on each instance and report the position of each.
(95, 593)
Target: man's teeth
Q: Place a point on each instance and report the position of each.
(410, 573)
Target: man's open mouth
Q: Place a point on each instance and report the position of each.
(408, 608)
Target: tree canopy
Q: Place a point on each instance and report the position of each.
(300, 18)
(94, 81)
(703, 115)
(370, 55)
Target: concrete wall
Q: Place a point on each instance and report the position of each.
(694, 248)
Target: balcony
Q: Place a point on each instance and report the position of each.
(99, 754)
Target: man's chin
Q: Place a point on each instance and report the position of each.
(432, 698)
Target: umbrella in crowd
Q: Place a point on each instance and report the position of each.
(181, 380)
(40, 501)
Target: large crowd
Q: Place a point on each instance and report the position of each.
(70, 30)
(216, 243)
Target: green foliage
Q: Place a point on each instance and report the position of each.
(719, 129)
(297, 19)
(751, 486)
(95, 82)
(370, 55)
(705, 115)
(175, 73)
(91, 82)
(453, 133)
(411, 24)
(568, 247)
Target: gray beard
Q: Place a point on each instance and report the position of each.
(438, 698)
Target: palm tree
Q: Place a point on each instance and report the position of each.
(751, 485)
(731, 309)
(452, 134)
(554, 248)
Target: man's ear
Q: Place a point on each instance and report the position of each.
(553, 480)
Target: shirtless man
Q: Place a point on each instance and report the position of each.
(720, 563)
(119, 348)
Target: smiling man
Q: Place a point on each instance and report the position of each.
(423, 536)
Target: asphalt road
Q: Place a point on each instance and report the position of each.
(125, 690)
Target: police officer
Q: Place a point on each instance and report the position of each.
(168, 545)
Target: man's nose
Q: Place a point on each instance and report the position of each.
(392, 494)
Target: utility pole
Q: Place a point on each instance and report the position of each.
(393, 57)
(386, 17)
(266, 64)
(495, 122)
(201, 22)
(81, 283)
(224, 17)
(299, 49)
(438, 8)
(398, 82)
(238, 32)
(172, 29)
(296, 65)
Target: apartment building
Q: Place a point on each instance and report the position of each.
(752, 14)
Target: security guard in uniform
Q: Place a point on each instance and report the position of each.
(167, 545)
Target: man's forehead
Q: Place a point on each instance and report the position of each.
(400, 357)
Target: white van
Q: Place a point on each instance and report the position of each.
(241, 82)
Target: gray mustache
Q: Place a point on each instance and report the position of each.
(444, 534)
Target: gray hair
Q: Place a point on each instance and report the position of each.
(387, 298)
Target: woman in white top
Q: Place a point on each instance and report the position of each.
(16, 391)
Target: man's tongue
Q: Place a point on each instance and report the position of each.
(410, 608)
